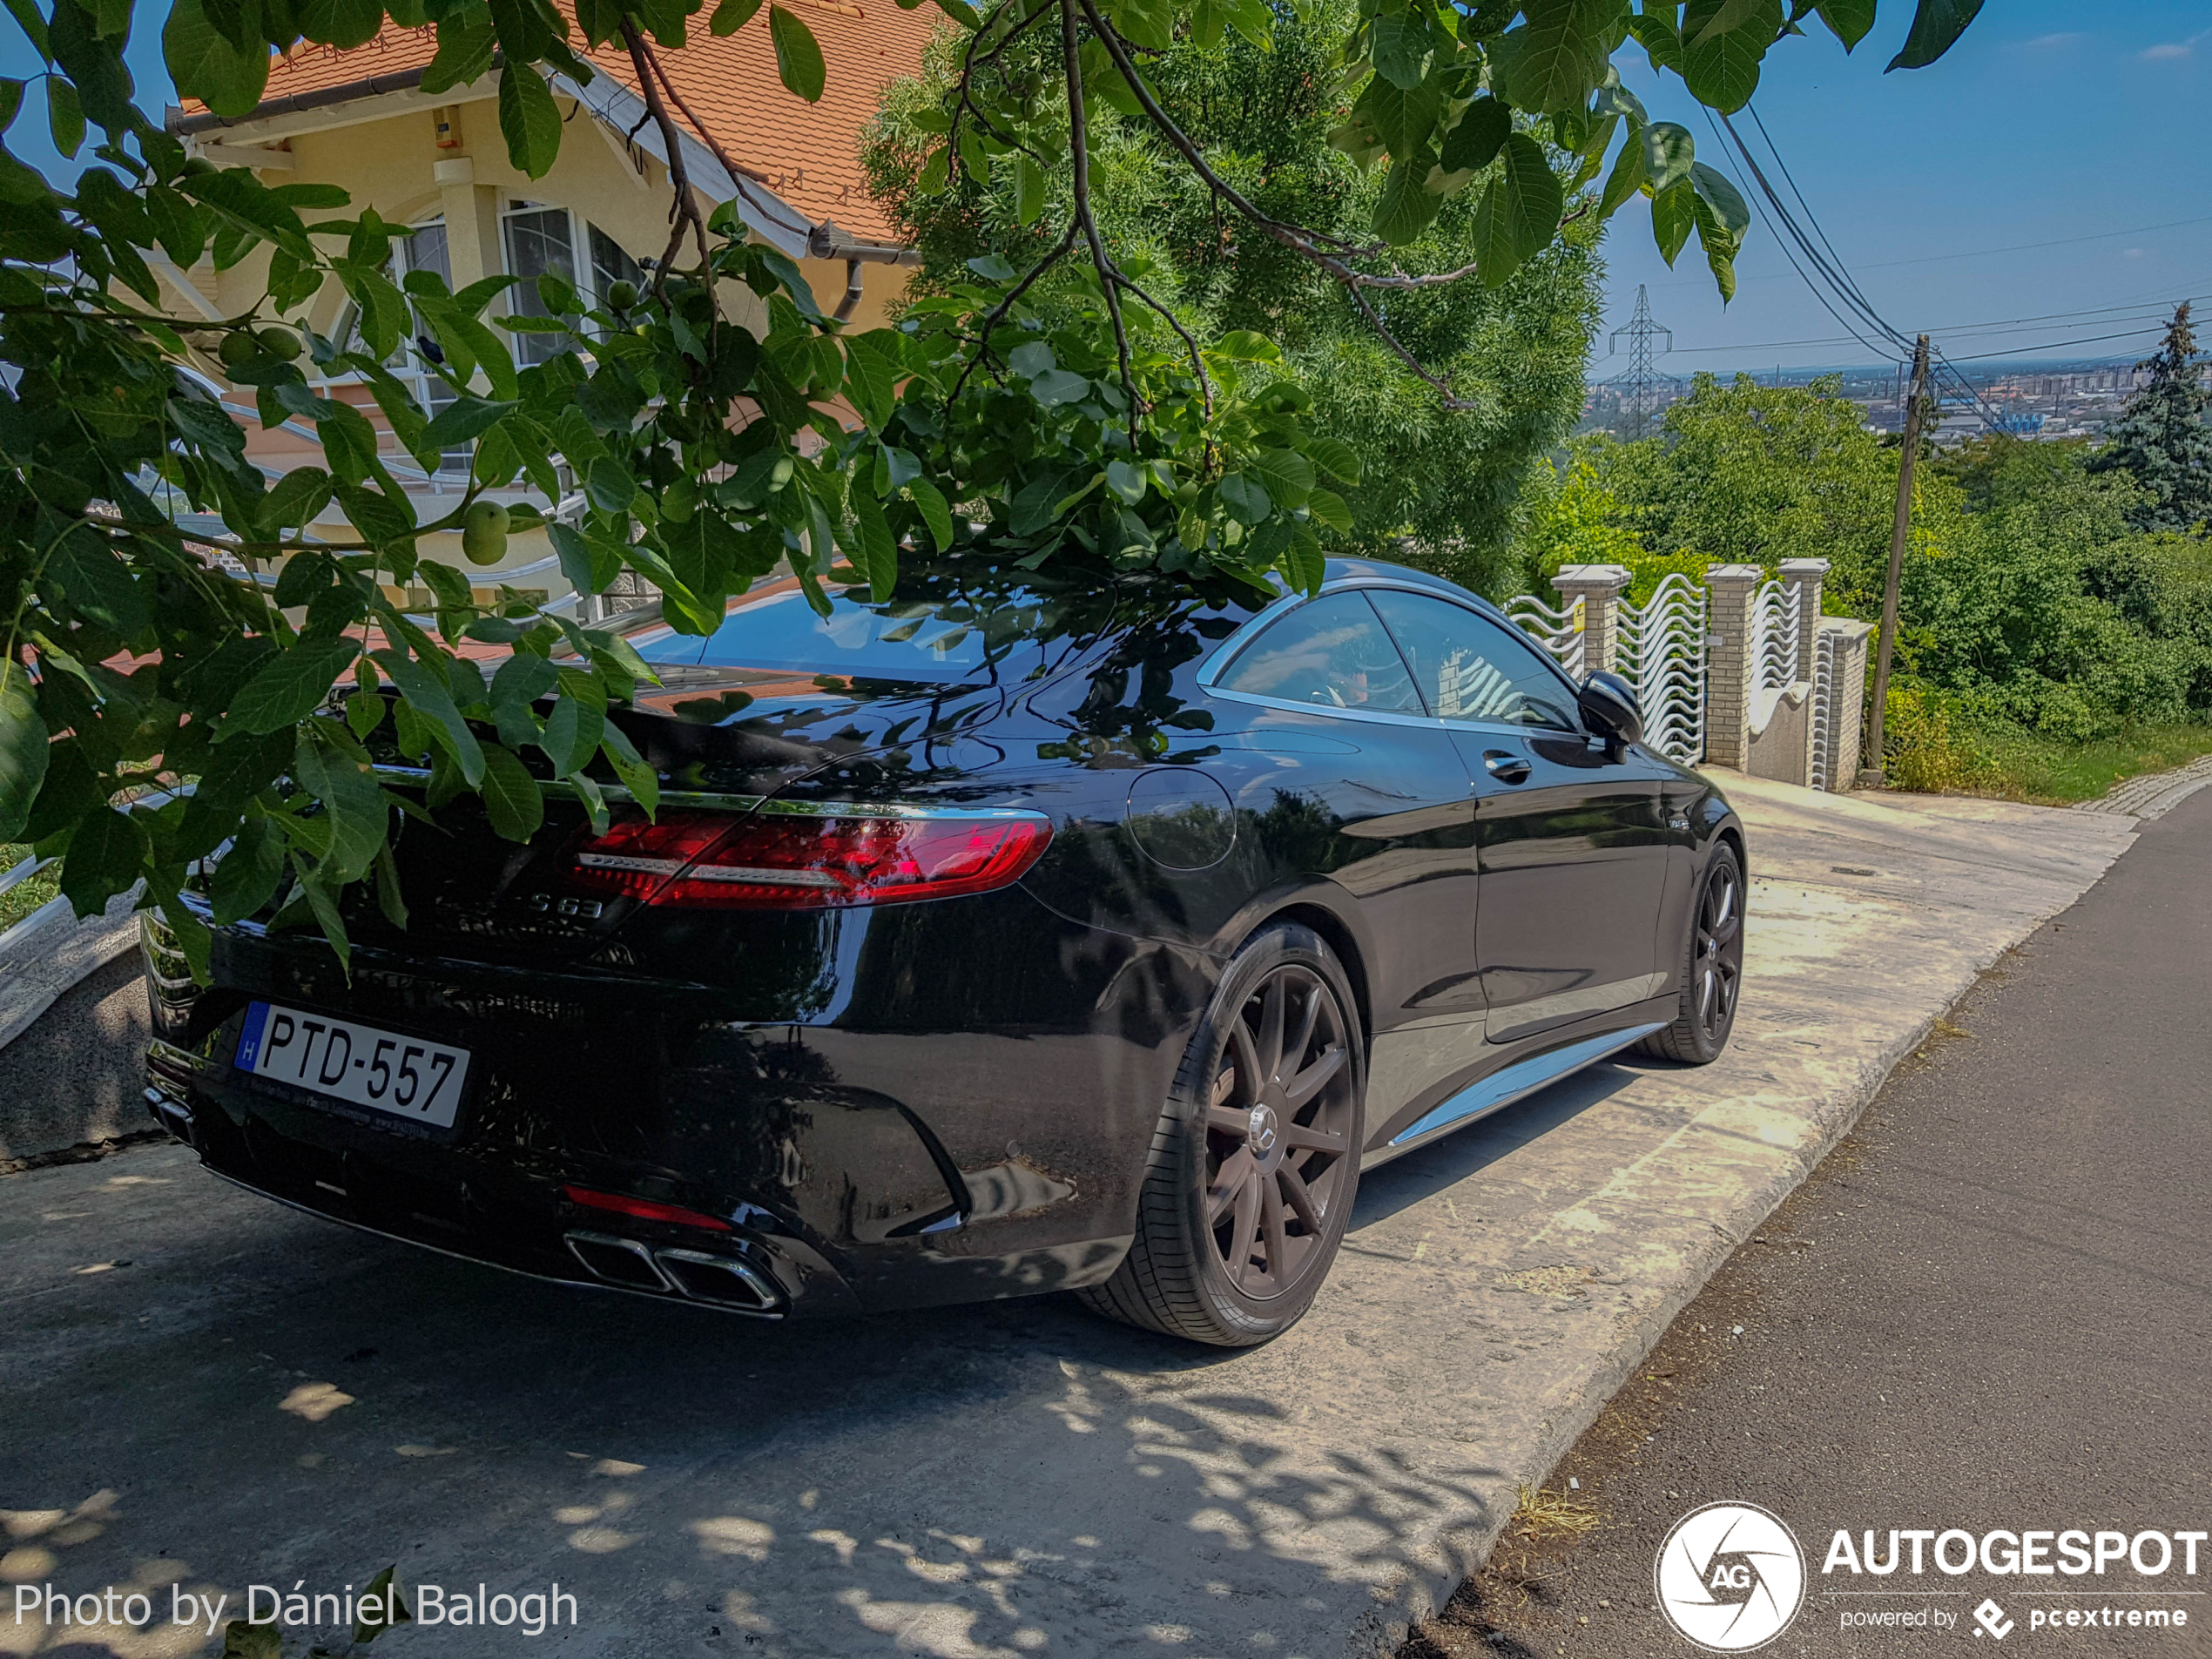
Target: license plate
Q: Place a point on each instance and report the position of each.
(382, 1071)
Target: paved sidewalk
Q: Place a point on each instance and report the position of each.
(1986, 1309)
(202, 1386)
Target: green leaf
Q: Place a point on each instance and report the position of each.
(1726, 201)
(1848, 20)
(465, 47)
(1400, 45)
(33, 23)
(1403, 120)
(1481, 132)
(1669, 152)
(1407, 205)
(1654, 27)
(343, 23)
(512, 798)
(930, 502)
(460, 420)
(608, 484)
(207, 67)
(640, 779)
(103, 859)
(1626, 179)
(64, 114)
(1059, 385)
(1336, 457)
(1937, 25)
(799, 56)
(1029, 189)
(356, 807)
(287, 691)
(1519, 214)
(429, 694)
(732, 16)
(324, 909)
(246, 877)
(878, 550)
(23, 749)
(1328, 508)
(1673, 213)
(1244, 500)
(529, 120)
(1722, 42)
(572, 734)
(871, 368)
(1559, 54)
(1288, 475)
(1127, 482)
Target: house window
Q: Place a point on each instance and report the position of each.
(540, 238)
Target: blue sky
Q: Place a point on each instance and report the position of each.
(2047, 124)
(2047, 121)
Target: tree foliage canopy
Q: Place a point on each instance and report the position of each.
(175, 627)
(2162, 439)
(1443, 480)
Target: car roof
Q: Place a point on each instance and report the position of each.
(1349, 569)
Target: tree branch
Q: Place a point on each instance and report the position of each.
(997, 313)
(1079, 142)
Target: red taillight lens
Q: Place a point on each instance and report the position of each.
(773, 861)
(643, 1209)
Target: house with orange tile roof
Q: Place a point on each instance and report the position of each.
(358, 118)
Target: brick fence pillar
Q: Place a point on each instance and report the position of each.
(1801, 578)
(1598, 588)
(1732, 590)
(1846, 700)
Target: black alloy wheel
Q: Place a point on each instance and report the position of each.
(1712, 969)
(1257, 1158)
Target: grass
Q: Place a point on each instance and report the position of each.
(1544, 1514)
(1940, 755)
(27, 896)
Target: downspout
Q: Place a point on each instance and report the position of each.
(851, 300)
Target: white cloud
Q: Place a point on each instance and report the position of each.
(2166, 51)
(2064, 38)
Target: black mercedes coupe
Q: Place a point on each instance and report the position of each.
(1010, 936)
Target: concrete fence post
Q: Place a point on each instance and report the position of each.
(1732, 591)
(1599, 587)
(1801, 578)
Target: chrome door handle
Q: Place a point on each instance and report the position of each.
(1505, 766)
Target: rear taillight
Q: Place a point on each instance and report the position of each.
(776, 861)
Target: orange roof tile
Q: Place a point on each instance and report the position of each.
(809, 154)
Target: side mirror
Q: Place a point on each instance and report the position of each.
(1607, 704)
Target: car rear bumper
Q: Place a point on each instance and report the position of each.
(825, 1169)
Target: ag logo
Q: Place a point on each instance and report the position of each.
(1730, 1577)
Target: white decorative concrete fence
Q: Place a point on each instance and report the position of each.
(1743, 671)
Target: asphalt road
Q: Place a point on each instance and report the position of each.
(1991, 1308)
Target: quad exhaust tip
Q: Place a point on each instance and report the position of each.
(720, 1281)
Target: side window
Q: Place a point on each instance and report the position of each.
(1330, 652)
(1470, 668)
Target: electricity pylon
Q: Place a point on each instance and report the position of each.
(1639, 385)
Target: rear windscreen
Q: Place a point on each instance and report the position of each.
(778, 629)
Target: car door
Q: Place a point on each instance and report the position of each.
(1572, 843)
(1396, 823)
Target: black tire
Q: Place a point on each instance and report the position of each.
(1711, 966)
(1263, 1177)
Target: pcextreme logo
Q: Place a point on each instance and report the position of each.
(1730, 1577)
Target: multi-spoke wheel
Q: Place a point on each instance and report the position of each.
(1256, 1159)
(1712, 968)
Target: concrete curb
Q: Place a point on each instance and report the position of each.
(2155, 794)
(49, 950)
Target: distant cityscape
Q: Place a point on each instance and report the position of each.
(2039, 399)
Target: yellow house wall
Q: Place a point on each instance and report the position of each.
(390, 164)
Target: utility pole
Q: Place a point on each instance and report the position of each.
(1899, 527)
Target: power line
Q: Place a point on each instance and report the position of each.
(2022, 247)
